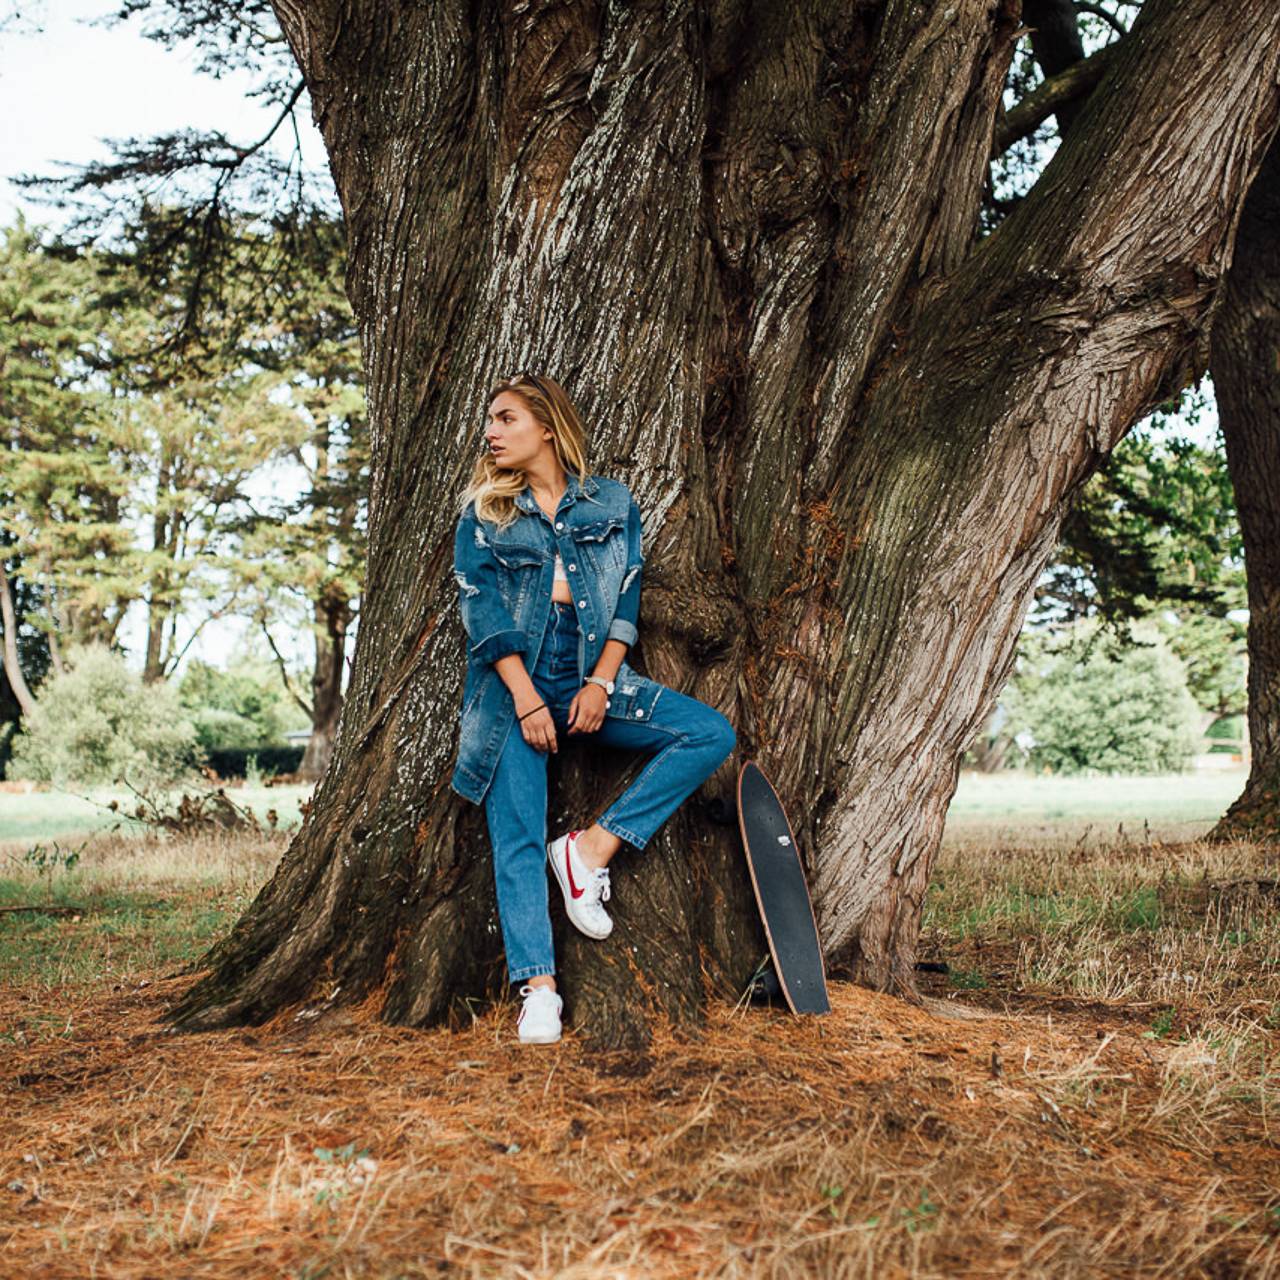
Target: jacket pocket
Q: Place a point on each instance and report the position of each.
(633, 695)
(516, 555)
(606, 538)
(518, 564)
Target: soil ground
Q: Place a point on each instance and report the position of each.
(1088, 1090)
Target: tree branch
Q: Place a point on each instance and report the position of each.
(285, 676)
(1076, 82)
(12, 667)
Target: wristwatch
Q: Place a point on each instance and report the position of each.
(606, 685)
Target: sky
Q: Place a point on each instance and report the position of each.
(65, 87)
(69, 86)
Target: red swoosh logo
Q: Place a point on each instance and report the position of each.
(568, 866)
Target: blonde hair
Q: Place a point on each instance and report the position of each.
(494, 488)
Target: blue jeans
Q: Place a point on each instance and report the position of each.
(689, 741)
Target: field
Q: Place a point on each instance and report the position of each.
(63, 815)
(1088, 1090)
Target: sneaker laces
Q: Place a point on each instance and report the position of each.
(602, 880)
(537, 993)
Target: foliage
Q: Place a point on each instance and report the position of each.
(302, 548)
(91, 458)
(1212, 650)
(63, 475)
(1155, 528)
(206, 809)
(232, 483)
(239, 707)
(175, 205)
(1153, 543)
(254, 764)
(97, 722)
(49, 861)
(1081, 701)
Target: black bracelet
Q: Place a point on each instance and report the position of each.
(532, 710)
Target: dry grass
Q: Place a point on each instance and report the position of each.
(116, 861)
(1066, 1131)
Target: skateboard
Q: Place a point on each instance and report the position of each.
(781, 894)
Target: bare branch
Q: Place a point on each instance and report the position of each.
(285, 676)
(1074, 83)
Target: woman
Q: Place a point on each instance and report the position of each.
(547, 560)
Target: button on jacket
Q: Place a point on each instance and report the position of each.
(504, 581)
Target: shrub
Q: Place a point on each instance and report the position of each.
(234, 762)
(97, 722)
(1082, 703)
(241, 706)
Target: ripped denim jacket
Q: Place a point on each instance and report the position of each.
(504, 581)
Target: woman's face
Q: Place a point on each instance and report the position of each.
(514, 436)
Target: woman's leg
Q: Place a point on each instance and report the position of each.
(690, 741)
(516, 808)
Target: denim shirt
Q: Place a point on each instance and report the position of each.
(504, 593)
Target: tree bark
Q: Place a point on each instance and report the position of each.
(852, 470)
(1244, 361)
(332, 617)
(159, 605)
(12, 667)
(1055, 96)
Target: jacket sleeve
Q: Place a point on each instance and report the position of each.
(627, 614)
(485, 617)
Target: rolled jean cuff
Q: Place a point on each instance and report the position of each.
(622, 833)
(621, 629)
(532, 971)
(498, 645)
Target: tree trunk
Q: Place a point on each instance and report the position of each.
(159, 605)
(1244, 361)
(332, 616)
(12, 667)
(744, 238)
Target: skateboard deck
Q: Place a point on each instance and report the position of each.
(781, 892)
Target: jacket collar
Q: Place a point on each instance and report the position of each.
(573, 490)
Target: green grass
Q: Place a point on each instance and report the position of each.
(987, 805)
(1118, 920)
(1048, 909)
(143, 904)
(1022, 808)
(117, 935)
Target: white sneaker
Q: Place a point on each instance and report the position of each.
(584, 887)
(539, 1020)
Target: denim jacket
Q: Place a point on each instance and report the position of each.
(504, 592)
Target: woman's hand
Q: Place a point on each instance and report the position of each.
(539, 729)
(586, 711)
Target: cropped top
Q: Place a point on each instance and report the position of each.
(559, 573)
